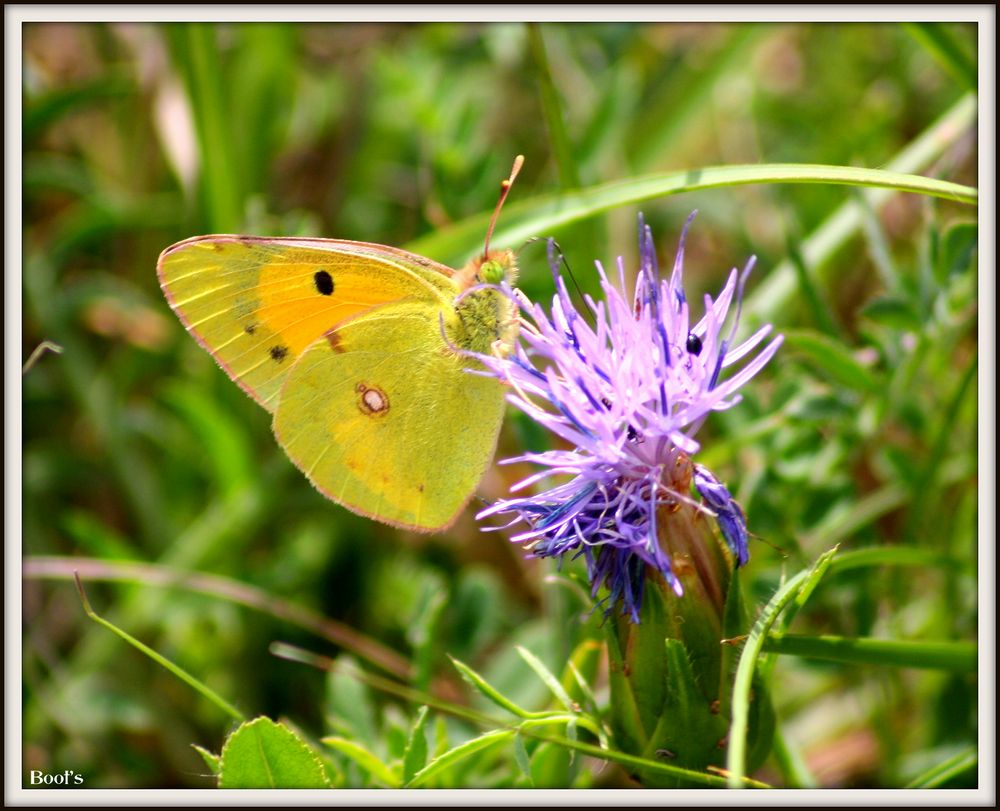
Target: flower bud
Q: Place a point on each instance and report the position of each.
(672, 672)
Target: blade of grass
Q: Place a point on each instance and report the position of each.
(878, 244)
(150, 574)
(819, 309)
(780, 286)
(946, 49)
(792, 591)
(958, 656)
(37, 352)
(939, 774)
(791, 763)
(864, 511)
(552, 109)
(931, 469)
(685, 94)
(197, 56)
(179, 672)
(541, 214)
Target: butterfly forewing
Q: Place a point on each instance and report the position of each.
(257, 303)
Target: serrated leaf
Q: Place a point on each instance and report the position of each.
(212, 760)
(380, 771)
(415, 756)
(833, 358)
(265, 754)
(459, 753)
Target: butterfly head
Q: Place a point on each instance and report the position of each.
(495, 268)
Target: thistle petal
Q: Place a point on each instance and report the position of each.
(627, 382)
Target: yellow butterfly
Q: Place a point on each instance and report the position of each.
(360, 352)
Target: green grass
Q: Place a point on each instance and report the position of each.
(147, 470)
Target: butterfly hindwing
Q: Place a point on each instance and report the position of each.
(383, 417)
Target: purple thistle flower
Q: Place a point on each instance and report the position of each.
(627, 386)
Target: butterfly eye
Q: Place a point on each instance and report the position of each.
(693, 344)
(491, 272)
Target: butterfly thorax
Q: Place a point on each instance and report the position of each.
(486, 315)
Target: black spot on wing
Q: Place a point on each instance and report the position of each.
(323, 282)
(250, 329)
(278, 353)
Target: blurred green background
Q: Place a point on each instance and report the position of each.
(137, 448)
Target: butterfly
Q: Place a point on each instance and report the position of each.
(362, 353)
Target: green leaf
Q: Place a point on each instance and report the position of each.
(415, 756)
(553, 766)
(212, 760)
(895, 313)
(546, 676)
(581, 671)
(459, 753)
(521, 758)
(265, 754)
(365, 759)
(349, 702)
(958, 247)
(488, 690)
(834, 359)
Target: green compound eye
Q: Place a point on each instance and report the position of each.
(491, 272)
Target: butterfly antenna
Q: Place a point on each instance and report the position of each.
(504, 190)
(565, 264)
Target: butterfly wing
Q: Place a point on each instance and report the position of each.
(257, 303)
(384, 418)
